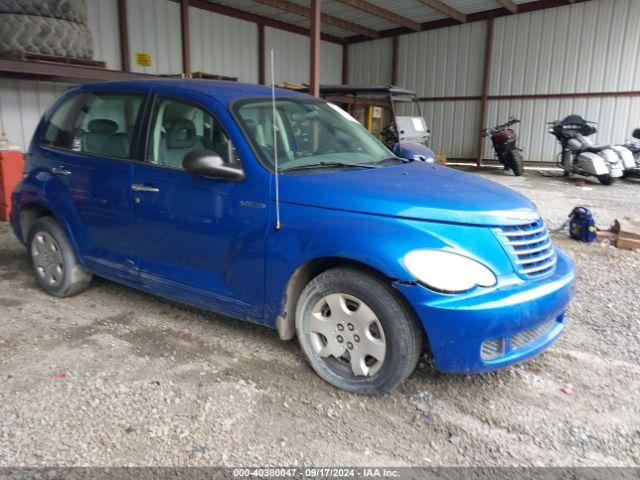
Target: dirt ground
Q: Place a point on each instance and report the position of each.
(117, 377)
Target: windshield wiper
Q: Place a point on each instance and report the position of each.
(327, 165)
(391, 159)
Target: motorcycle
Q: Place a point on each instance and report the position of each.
(504, 140)
(581, 156)
(633, 145)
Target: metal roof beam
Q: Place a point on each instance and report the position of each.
(509, 5)
(296, 9)
(382, 13)
(446, 9)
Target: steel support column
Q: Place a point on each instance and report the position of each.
(124, 36)
(486, 77)
(184, 29)
(314, 77)
(394, 61)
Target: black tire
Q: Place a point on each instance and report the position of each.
(72, 10)
(606, 179)
(73, 278)
(517, 163)
(49, 36)
(401, 332)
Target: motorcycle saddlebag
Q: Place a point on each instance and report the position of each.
(626, 156)
(592, 164)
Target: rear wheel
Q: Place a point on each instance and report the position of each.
(517, 163)
(356, 333)
(606, 179)
(54, 261)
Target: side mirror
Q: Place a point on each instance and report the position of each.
(636, 133)
(209, 164)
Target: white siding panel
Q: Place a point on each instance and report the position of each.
(454, 127)
(586, 47)
(617, 118)
(330, 63)
(102, 17)
(22, 103)
(223, 45)
(292, 57)
(443, 62)
(154, 27)
(370, 62)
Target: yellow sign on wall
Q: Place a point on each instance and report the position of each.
(143, 59)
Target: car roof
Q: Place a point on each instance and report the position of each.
(221, 90)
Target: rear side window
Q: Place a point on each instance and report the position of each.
(105, 123)
(59, 132)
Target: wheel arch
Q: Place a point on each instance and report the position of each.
(285, 321)
(33, 209)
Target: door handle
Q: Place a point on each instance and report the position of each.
(144, 188)
(59, 171)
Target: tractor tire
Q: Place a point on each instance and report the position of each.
(49, 36)
(70, 10)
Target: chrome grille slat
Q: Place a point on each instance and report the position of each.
(528, 336)
(521, 233)
(540, 258)
(530, 248)
(528, 241)
(535, 249)
(551, 263)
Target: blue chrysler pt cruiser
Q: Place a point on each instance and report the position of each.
(369, 259)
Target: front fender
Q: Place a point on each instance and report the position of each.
(380, 242)
(36, 189)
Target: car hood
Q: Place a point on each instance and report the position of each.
(415, 190)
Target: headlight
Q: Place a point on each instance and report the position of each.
(448, 272)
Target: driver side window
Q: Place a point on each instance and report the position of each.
(178, 128)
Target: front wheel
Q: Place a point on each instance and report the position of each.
(606, 179)
(517, 163)
(356, 333)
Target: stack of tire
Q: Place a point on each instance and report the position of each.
(50, 27)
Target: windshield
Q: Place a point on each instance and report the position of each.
(309, 133)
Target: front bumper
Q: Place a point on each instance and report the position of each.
(457, 325)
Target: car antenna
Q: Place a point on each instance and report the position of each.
(275, 140)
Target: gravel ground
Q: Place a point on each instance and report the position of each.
(117, 377)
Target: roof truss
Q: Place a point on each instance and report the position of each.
(296, 9)
(382, 13)
(446, 9)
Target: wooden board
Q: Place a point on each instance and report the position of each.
(40, 57)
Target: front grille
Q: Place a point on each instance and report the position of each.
(495, 348)
(530, 248)
(491, 349)
(524, 338)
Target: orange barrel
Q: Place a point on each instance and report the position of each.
(11, 168)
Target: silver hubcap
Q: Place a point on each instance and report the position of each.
(47, 258)
(343, 327)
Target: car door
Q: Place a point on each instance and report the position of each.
(197, 241)
(89, 152)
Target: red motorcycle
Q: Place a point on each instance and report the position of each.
(504, 140)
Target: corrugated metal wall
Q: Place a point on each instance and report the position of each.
(223, 45)
(370, 62)
(102, 16)
(451, 66)
(154, 28)
(586, 47)
(443, 63)
(219, 45)
(292, 57)
(22, 103)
